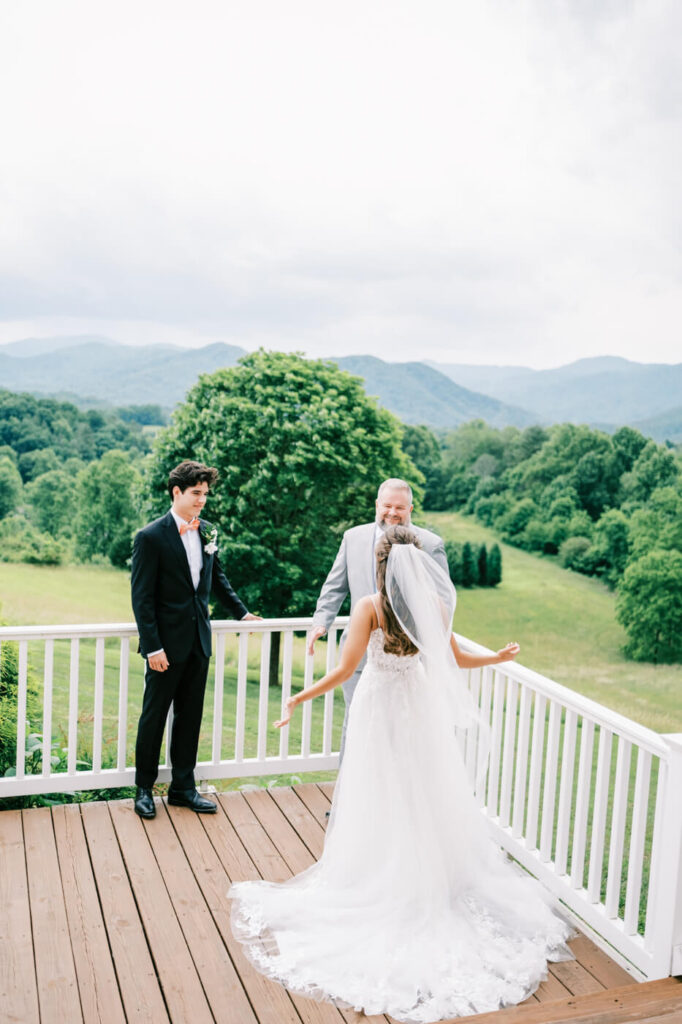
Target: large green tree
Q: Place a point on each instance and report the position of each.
(107, 508)
(649, 605)
(300, 449)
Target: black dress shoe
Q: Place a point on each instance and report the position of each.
(190, 798)
(144, 803)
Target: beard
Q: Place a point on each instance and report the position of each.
(407, 521)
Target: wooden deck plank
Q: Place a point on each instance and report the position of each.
(219, 979)
(99, 995)
(308, 828)
(263, 852)
(291, 847)
(575, 977)
(204, 839)
(599, 964)
(58, 997)
(138, 983)
(18, 984)
(629, 1003)
(180, 983)
(315, 800)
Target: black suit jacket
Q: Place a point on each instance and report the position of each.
(169, 612)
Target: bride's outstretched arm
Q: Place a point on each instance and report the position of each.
(465, 660)
(361, 623)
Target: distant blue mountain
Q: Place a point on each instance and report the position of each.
(417, 393)
(605, 389)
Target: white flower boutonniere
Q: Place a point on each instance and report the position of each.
(210, 537)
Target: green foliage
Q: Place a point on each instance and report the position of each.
(301, 450)
(33, 425)
(52, 502)
(107, 508)
(21, 541)
(469, 571)
(482, 566)
(10, 487)
(422, 447)
(574, 553)
(649, 605)
(494, 567)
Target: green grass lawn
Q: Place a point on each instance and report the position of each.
(567, 629)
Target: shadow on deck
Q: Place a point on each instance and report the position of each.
(104, 918)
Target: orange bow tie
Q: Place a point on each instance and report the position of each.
(184, 527)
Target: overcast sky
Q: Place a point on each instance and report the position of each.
(479, 181)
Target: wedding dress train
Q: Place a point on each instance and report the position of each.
(411, 910)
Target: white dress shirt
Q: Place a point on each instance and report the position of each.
(193, 548)
(195, 556)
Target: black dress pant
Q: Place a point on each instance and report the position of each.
(182, 684)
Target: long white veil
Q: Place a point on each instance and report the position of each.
(423, 600)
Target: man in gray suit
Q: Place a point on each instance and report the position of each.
(354, 568)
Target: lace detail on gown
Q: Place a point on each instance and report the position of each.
(411, 910)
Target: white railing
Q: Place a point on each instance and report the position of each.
(591, 804)
(585, 799)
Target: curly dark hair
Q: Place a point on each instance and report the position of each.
(396, 640)
(188, 473)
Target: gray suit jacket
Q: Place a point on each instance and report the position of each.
(353, 570)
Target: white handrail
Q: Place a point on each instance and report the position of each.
(584, 798)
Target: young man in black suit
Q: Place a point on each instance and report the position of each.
(174, 571)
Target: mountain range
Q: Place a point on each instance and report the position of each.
(603, 391)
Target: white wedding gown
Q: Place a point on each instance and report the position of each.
(411, 910)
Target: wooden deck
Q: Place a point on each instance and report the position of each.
(105, 918)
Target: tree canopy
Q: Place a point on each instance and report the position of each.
(300, 449)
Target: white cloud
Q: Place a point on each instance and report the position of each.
(475, 180)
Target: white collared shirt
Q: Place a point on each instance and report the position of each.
(193, 548)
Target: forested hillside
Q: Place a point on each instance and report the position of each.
(67, 478)
(606, 506)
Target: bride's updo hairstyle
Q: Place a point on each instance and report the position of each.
(396, 640)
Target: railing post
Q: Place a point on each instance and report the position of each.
(675, 741)
(667, 917)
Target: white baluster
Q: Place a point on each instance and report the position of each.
(73, 706)
(495, 745)
(263, 696)
(521, 772)
(123, 669)
(549, 789)
(99, 705)
(620, 806)
(537, 750)
(48, 676)
(637, 837)
(287, 664)
(599, 806)
(483, 749)
(565, 792)
(306, 717)
(329, 695)
(582, 803)
(218, 688)
(22, 670)
(242, 675)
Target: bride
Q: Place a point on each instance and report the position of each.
(411, 910)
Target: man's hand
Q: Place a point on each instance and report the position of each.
(249, 617)
(315, 633)
(158, 662)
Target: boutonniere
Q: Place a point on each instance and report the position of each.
(209, 535)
